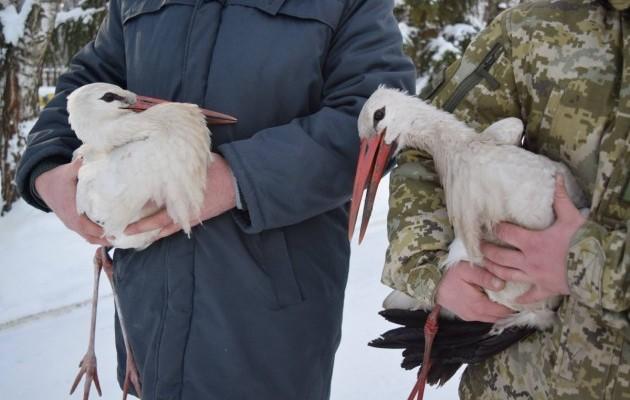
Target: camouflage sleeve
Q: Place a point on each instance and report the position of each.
(418, 228)
(480, 90)
(598, 264)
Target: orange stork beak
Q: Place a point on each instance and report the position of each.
(212, 117)
(373, 159)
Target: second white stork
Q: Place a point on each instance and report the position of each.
(487, 179)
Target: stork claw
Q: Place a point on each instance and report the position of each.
(87, 367)
(131, 377)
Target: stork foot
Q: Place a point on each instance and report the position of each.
(131, 377)
(87, 367)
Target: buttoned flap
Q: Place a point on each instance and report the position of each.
(132, 9)
(325, 11)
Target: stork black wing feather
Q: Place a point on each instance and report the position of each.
(457, 342)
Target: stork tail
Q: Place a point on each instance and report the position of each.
(459, 343)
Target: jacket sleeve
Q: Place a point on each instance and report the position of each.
(418, 226)
(598, 267)
(51, 142)
(290, 173)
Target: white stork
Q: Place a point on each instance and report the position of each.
(487, 179)
(139, 155)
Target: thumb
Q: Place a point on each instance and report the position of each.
(562, 204)
(76, 164)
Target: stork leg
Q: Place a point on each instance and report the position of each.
(131, 372)
(87, 366)
(430, 330)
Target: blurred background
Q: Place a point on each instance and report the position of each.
(45, 270)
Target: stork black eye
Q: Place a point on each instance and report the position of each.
(379, 115)
(109, 97)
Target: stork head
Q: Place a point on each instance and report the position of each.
(96, 105)
(384, 129)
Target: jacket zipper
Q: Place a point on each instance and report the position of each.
(481, 72)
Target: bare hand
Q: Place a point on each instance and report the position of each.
(58, 189)
(538, 257)
(460, 291)
(219, 198)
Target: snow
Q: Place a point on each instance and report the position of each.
(459, 31)
(75, 14)
(421, 82)
(44, 91)
(406, 31)
(440, 46)
(44, 315)
(15, 147)
(13, 22)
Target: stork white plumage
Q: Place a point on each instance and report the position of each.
(487, 179)
(137, 163)
(139, 155)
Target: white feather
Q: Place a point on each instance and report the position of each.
(137, 163)
(487, 179)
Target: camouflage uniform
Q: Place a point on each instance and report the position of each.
(563, 67)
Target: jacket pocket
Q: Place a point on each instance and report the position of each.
(133, 9)
(270, 251)
(327, 12)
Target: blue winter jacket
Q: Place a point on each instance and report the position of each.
(250, 306)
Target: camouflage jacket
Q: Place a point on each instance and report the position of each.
(563, 67)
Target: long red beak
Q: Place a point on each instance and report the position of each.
(373, 159)
(212, 117)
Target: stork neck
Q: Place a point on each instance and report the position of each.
(444, 145)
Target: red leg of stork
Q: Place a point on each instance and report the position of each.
(430, 330)
(87, 366)
(131, 372)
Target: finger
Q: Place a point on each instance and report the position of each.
(478, 307)
(506, 273)
(486, 310)
(562, 204)
(96, 240)
(481, 277)
(479, 317)
(512, 234)
(503, 256)
(76, 163)
(156, 221)
(534, 295)
(169, 230)
(496, 310)
(87, 227)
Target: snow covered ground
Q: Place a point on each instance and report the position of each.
(45, 284)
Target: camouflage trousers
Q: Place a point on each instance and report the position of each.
(566, 362)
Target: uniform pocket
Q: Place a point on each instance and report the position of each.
(270, 251)
(586, 349)
(571, 129)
